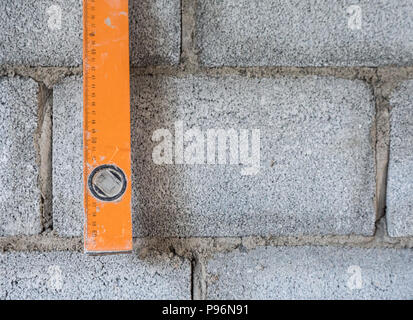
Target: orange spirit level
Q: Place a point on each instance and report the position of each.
(106, 135)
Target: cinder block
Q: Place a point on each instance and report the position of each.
(67, 157)
(315, 168)
(65, 275)
(399, 212)
(50, 32)
(155, 29)
(314, 175)
(305, 32)
(20, 196)
(311, 273)
(41, 33)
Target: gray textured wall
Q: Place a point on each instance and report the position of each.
(329, 86)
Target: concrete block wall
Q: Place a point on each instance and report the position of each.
(326, 192)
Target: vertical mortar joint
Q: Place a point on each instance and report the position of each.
(198, 278)
(43, 145)
(189, 54)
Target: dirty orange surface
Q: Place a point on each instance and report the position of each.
(108, 227)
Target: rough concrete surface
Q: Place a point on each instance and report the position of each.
(311, 273)
(305, 33)
(155, 28)
(317, 98)
(399, 213)
(41, 33)
(68, 157)
(65, 275)
(316, 167)
(20, 196)
(50, 32)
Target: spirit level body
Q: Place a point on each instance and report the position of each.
(106, 116)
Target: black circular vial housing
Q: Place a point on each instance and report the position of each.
(107, 183)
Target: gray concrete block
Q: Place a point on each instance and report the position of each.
(305, 32)
(399, 214)
(20, 196)
(315, 174)
(311, 273)
(50, 32)
(68, 157)
(65, 275)
(41, 33)
(155, 29)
